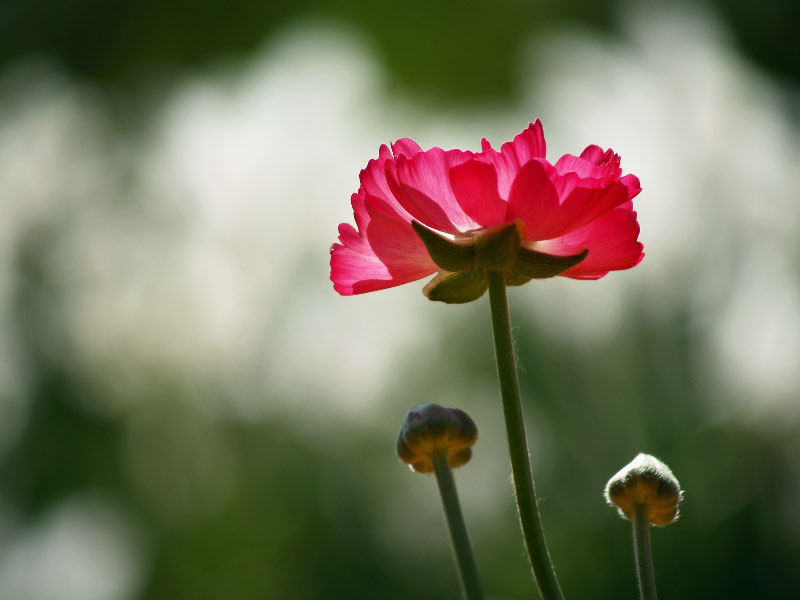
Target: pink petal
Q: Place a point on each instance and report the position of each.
(475, 187)
(387, 253)
(355, 273)
(534, 199)
(584, 204)
(607, 169)
(611, 240)
(552, 205)
(406, 147)
(598, 156)
(593, 154)
(374, 185)
(422, 186)
(349, 237)
(373, 179)
(631, 182)
(553, 200)
(527, 145)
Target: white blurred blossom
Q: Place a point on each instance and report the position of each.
(84, 548)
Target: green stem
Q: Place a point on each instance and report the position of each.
(517, 443)
(467, 568)
(643, 553)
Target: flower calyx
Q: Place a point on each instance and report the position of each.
(496, 248)
(429, 429)
(449, 255)
(645, 481)
(457, 288)
(538, 265)
(465, 259)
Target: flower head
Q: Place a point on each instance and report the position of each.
(430, 428)
(423, 212)
(648, 481)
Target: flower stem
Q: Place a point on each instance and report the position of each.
(517, 443)
(643, 553)
(467, 568)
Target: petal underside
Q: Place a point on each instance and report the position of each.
(612, 241)
(526, 145)
(422, 186)
(386, 253)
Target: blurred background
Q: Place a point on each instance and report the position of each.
(188, 410)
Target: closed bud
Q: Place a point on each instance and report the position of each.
(649, 482)
(429, 429)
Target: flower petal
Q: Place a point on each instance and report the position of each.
(474, 184)
(584, 204)
(422, 186)
(611, 240)
(579, 201)
(374, 185)
(527, 145)
(632, 183)
(406, 147)
(594, 154)
(553, 203)
(593, 163)
(534, 199)
(386, 253)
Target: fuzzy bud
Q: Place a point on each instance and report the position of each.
(648, 481)
(430, 428)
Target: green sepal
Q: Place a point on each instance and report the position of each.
(457, 288)
(514, 279)
(447, 254)
(538, 265)
(496, 248)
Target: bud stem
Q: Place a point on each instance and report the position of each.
(517, 442)
(462, 548)
(643, 553)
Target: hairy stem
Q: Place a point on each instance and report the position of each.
(465, 559)
(643, 553)
(517, 443)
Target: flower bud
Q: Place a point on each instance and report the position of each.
(648, 481)
(430, 428)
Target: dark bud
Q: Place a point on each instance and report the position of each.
(429, 429)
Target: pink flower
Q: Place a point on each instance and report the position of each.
(579, 203)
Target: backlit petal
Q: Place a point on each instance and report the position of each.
(422, 185)
(527, 145)
(475, 187)
(386, 254)
(611, 240)
(534, 199)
